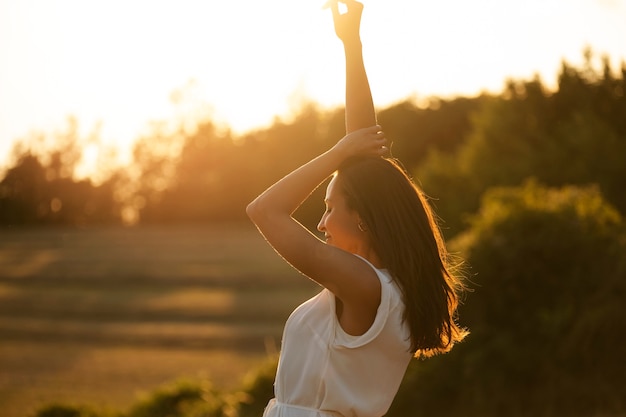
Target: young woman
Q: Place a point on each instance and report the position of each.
(388, 292)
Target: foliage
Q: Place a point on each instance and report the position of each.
(206, 174)
(258, 388)
(191, 398)
(216, 174)
(30, 195)
(550, 288)
(62, 410)
(576, 135)
(416, 131)
(182, 399)
(41, 188)
(458, 148)
(545, 315)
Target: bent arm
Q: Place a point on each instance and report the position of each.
(274, 206)
(344, 274)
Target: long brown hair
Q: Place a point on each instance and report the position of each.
(407, 239)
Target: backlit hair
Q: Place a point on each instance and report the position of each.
(406, 237)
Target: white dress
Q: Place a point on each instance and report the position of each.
(325, 372)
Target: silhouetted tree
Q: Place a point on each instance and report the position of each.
(22, 199)
(40, 187)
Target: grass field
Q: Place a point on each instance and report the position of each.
(102, 315)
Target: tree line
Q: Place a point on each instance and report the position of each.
(456, 148)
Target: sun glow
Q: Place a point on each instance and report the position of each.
(124, 64)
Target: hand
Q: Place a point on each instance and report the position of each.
(370, 141)
(347, 25)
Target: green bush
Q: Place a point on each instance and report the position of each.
(548, 307)
(184, 398)
(258, 388)
(64, 410)
(191, 398)
(546, 313)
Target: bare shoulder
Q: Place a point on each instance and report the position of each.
(357, 289)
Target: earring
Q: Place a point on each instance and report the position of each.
(361, 227)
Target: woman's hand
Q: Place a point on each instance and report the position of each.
(370, 141)
(347, 25)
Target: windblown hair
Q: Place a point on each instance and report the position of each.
(407, 238)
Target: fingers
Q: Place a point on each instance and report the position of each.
(350, 5)
(385, 144)
(379, 145)
(372, 132)
(383, 147)
(370, 141)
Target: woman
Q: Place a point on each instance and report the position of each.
(388, 291)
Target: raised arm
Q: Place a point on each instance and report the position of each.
(360, 111)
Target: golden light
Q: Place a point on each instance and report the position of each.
(118, 62)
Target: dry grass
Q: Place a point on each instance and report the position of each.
(99, 316)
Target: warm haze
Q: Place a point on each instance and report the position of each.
(118, 62)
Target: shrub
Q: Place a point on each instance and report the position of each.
(64, 410)
(258, 388)
(546, 313)
(184, 398)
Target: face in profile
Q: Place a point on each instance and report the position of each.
(339, 223)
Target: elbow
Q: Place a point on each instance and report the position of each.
(256, 211)
(263, 213)
(252, 210)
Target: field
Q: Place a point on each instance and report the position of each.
(101, 316)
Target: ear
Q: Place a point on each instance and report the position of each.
(361, 224)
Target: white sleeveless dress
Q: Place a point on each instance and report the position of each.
(325, 372)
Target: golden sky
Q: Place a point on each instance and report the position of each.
(118, 62)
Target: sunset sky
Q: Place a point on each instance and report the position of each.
(118, 62)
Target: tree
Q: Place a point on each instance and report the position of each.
(576, 135)
(22, 192)
(41, 188)
(415, 131)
